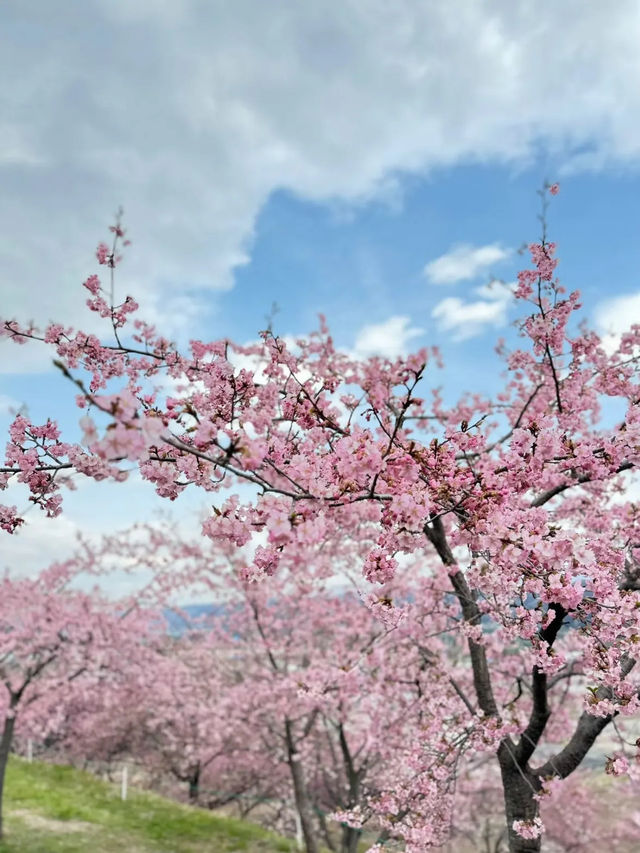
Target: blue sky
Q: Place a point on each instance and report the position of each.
(375, 162)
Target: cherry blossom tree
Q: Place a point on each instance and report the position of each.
(523, 502)
(187, 727)
(322, 689)
(166, 712)
(334, 695)
(54, 642)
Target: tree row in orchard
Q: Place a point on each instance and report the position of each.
(301, 703)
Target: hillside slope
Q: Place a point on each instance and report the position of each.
(52, 809)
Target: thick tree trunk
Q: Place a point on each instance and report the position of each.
(194, 786)
(519, 786)
(350, 835)
(5, 749)
(350, 839)
(303, 806)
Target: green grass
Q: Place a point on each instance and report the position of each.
(53, 809)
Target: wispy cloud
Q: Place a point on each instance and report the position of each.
(8, 405)
(463, 263)
(614, 316)
(389, 338)
(466, 319)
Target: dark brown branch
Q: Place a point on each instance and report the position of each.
(462, 696)
(540, 711)
(435, 532)
(38, 468)
(583, 738)
(577, 481)
(631, 580)
(556, 381)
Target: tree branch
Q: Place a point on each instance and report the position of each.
(577, 481)
(540, 711)
(471, 613)
(583, 738)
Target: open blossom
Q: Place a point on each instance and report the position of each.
(9, 518)
(529, 828)
(92, 284)
(618, 765)
(542, 256)
(266, 560)
(379, 567)
(103, 253)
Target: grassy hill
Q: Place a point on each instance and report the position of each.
(51, 809)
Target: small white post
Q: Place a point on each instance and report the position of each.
(29, 750)
(125, 780)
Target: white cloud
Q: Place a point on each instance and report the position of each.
(8, 405)
(191, 114)
(93, 509)
(38, 543)
(42, 541)
(463, 263)
(388, 339)
(615, 316)
(466, 319)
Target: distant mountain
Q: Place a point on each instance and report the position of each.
(191, 617)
